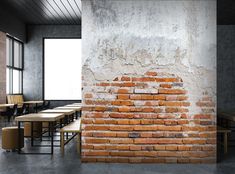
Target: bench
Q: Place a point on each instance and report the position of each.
(225, 132)
(75, 129)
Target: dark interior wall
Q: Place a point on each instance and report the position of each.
(226, 67)
(11, 24)
(2, 67)
(33, 56)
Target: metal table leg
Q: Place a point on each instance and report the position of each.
(19, 139)
(32, 134)
(52, 134)
(36, 108)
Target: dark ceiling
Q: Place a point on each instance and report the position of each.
(68, 12)
(48, 12)
(226, 12)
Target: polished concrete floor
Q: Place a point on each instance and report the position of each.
(12, 163)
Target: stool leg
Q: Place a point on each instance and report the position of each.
(225, 142)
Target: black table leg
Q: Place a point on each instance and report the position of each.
(52, 134)
(36, 108)
(19, 140)
(32, 133)
(9, 118)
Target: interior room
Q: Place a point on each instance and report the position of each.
(114, 86)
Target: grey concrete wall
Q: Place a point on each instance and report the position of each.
(11, 24)
(132, 37)
(225, 68)
(2, 67)
(33, 52)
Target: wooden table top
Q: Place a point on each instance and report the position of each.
(33, 102)
(40, 117)
(73, 105)
(69, 108)
(227, 115)
(6, 105)
(66, 112)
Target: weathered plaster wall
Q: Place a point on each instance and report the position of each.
(2, 67)
(225, 68)
(33, 60)
(130, 38)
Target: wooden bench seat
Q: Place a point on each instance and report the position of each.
(225, 133)
(75, 128)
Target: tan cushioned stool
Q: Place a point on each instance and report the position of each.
(37, 129)
(10, 138)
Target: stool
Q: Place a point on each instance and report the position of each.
(37, 129)
(10, 138)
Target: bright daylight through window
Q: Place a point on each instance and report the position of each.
(62, 69)
(14, 54)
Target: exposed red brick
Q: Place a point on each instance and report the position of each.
(171, 91)
(150, 73)
(123, 97)
(123, 103)
(123, 91)
(159, 97)
(88, 95)
(166, 80)
(165, 85)
(125, 78)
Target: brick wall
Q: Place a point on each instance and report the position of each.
(2, 67)
(146, 118)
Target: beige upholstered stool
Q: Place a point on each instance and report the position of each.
(10, 138)
(37, 129)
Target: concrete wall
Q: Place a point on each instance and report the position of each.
(149, 81)
(225, 68)
(11, 24)
(2, 67)
(33, 52)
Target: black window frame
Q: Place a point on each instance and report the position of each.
(12, 67)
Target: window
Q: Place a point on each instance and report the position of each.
(62, 69)
(14, 54)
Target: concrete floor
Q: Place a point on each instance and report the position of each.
(12, 163)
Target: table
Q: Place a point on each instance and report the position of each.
(73, 105)
(34, 103)
(6, 105)
(69, 108)
(67, 113)
(77, 104)
(227, 115)
(39, 117)
(75, 108)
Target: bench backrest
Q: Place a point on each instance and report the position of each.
(15, 99)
